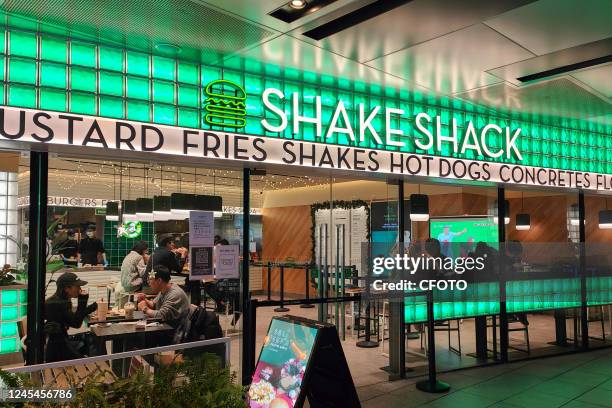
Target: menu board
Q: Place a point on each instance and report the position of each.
(359, 235)
(200, 263)
(282, 363)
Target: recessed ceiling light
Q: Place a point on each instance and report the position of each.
(297, 4)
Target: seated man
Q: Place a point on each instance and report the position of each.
(171, 304)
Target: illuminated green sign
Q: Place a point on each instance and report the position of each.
(131, 229)
(224, 104)
(84, 78)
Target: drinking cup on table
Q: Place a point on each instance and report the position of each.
(102, 310)
(129, 308)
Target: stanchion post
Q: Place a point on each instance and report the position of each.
(269, 280)
(282, 307)
(431, 384)
(367, 343)
(307, 275)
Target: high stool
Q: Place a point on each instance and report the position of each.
(600, 318)
(522, 326)
(446, 325)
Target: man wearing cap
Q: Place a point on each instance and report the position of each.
(59, 316)
(90, 248)
(171, 304)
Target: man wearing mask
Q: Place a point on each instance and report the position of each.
(90, 248)
(69, 249)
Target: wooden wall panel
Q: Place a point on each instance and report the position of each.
(286, 233)
(548, 219)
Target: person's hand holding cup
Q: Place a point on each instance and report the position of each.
(140, 297)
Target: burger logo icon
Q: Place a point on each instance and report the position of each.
(225, 105)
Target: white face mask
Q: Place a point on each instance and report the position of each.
(90, 234)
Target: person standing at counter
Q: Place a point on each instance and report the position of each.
(69, 248)
(59, 316)
(90, 248)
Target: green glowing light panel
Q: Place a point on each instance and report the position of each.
(13, 307)
(54, 73)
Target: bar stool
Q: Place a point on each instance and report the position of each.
(446, 325)
(522, 326)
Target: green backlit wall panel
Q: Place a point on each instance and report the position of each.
(118, 247)
(112, 82)
(599, 290)
(522, 296)
(13, 302)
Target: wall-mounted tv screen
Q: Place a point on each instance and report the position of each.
(459, 235)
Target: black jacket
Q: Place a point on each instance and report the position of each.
(59, 316)
(163, 256)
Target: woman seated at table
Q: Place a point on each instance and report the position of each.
(59, 316)
(132, 272)
(171, 304)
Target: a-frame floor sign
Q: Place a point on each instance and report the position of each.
(302, 359)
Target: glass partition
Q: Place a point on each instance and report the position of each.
(154, 249)
(541, 273)
(598, 271)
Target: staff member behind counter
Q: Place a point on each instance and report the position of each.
(91, 248)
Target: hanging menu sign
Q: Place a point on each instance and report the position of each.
(226, 262)
(201, 228)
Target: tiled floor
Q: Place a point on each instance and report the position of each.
(572, 381)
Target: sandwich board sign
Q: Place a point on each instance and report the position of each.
(301, 359)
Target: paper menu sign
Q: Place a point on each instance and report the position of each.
(226, 262)
(201, 228)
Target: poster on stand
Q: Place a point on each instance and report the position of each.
(201, 228)
(301, 358)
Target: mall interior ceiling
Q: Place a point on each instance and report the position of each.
(550, 57)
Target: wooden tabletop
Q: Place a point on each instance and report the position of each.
(119, 331)
(113, 318)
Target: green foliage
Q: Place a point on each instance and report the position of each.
(198, 382)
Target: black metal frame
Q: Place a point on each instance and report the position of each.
(37, 256)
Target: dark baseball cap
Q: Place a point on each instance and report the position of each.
(70, 279)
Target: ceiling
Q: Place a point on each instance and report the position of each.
(471, 49)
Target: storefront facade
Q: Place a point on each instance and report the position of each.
(69, 98)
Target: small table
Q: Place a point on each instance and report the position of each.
(138, 315)
(120, 334)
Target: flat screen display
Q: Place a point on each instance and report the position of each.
(282, 363)
(459, 235)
